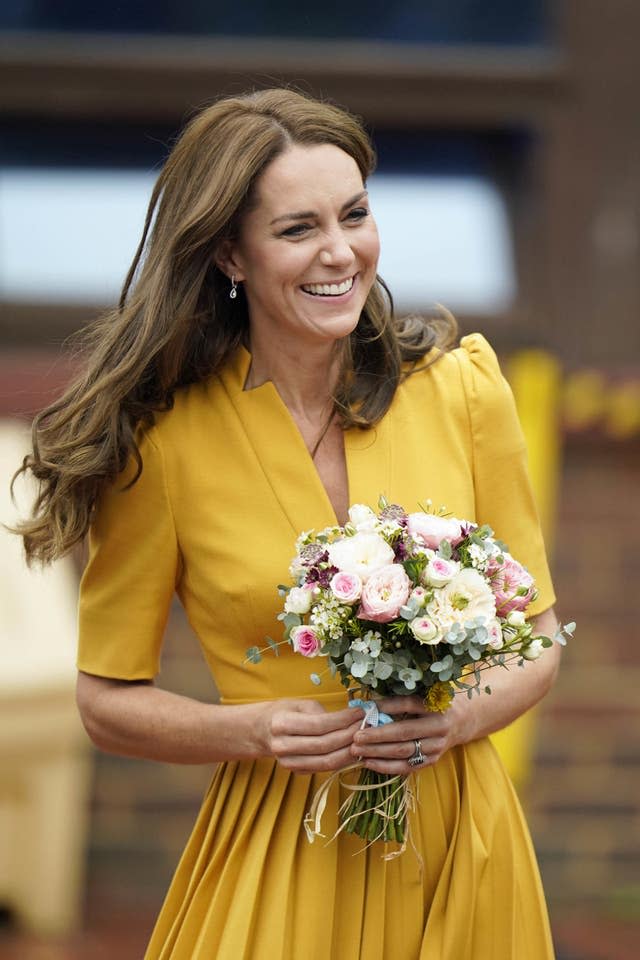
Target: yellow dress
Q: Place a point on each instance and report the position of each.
(227, 485)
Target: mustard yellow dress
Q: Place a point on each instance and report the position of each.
(227, 486)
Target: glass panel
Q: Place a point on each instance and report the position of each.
(69, 235)
(416, 21)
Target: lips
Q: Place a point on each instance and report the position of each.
(329, 289)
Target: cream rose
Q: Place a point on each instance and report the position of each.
(424, 630)
(298, 600)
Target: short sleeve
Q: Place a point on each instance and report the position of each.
(504, 498)
(129, 582)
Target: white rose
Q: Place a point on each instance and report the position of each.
(439, 571)
(363, 518)
(298, 600)
(424, 630)
(534, 650)
(361, 554)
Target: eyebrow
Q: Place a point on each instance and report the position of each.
(308, 214)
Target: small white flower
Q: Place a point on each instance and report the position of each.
(479, 557)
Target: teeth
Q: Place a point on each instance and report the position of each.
(329, 289)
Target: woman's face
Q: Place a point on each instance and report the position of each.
(307, 252)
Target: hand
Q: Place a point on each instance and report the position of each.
(386, 749)
(306, 738)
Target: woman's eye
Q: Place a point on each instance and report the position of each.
(296, 231)
(358, 213)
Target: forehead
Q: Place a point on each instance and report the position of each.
(305, 176)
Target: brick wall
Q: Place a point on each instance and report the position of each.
(585, 797)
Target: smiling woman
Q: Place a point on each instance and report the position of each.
(253, 383)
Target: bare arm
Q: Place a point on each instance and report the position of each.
(514, 690)
(137, 719)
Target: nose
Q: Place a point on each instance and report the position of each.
(336, 250)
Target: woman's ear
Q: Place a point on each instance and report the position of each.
(226, 259)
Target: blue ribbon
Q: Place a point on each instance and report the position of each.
(373, 716)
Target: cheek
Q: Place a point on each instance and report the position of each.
(371, 246)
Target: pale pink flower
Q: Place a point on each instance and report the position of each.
(429, 530)
(512, 585)
(384, 593)
(346, 587)
(439, 571)
(305, 641)
(496, 640)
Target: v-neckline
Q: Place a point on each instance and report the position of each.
(287, 463)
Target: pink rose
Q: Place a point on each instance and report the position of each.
(384, 593)
(430, 531)
(512, 585)
(305, 641)
(346, 587)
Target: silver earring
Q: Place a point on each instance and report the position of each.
(233, 293)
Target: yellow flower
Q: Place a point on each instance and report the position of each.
(439, 697)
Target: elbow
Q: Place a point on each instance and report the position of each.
(87, 697)
(99, 702)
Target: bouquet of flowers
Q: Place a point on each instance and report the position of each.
(403, 604)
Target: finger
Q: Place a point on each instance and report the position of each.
(289, 744)
(312, 723)
(396, 768)
(432, 725)
(399, 750)
(335, 760)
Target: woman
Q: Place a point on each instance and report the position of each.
(252, 384)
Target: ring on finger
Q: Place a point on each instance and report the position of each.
(417, 757)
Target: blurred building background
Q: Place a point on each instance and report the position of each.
(508, 188)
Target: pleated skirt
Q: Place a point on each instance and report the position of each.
(251, 887)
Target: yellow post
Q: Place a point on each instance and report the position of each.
(535, 379)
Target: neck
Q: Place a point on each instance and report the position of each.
(304, 375)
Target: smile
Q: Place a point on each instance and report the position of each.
(328, 289)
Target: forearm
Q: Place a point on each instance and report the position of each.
(514, 690)
(137, 719)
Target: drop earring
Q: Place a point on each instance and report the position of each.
(233, 293)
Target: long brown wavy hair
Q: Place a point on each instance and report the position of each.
(175, 323)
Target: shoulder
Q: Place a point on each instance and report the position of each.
(472, 369)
